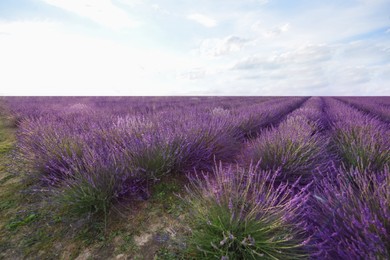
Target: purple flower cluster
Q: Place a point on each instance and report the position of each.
(350, 213)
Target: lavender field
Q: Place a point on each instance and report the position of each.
(195, 177)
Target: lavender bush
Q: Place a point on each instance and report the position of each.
(292, 148)
(237, 213)
(49, 149)
(358, 140)
(363, 146)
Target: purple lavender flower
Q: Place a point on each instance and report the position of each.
(350, 215)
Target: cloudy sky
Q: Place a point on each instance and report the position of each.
(186, 47)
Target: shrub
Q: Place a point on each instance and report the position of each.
(151, 161)
(98, 182)
(362, 146)
(292, 148)
(202, 140)
(360, 141)
(49, 149)
(239, 214)
(89, 194)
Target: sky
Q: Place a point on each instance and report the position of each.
(203, 47)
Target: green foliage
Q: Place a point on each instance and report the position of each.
(362, 147)
(39, 239)
(82, 196)
(5, 147)
(7, 204)
(88, 196)
(241, 215)
(16, 223)
(128, 244)
(165, 189)
(6, 138)
(165, 254)
(6, 178)
(221, 236)
(296, 158)
(91, 231)
(155, 161)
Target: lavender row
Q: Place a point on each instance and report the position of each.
(119, 106)
(295, 147)
(371, 105)
(252, 212)
(359, 140)
(349, 211)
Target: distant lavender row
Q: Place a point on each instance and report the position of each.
(375, 106)
(120, 106)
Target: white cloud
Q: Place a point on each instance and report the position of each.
(219, 47)
(202, 19)
(311, 53)
(348, 68)
(277, 30)
(352, 75)
(317, 69)
(260, 2)
(34, 29)
(103, 12)
(304, 55)
(193, 74)
(366, 53)
(266, 32)
(259, 62)
(131, 3)
(160, 9)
